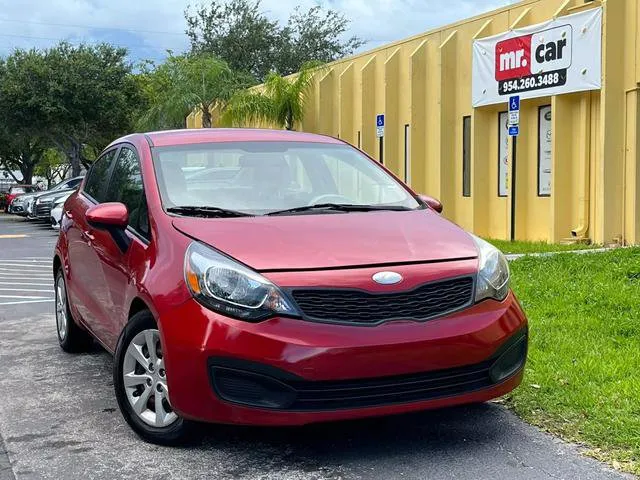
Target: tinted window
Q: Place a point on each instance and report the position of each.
(98, 176)
(73, 183)
(126, 187)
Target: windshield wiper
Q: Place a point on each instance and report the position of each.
(208, 212)
(339, 207)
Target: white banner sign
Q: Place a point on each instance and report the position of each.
(503, 154)
(560, 56)
(544, 151)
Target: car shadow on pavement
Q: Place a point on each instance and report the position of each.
(435, 432)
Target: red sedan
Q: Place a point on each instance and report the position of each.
(277, 278)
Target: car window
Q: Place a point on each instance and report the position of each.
(364, 186)
(17, 190)
(126, 187)
(73, 183)
(263, 177)
(65, 185)
(98, 176)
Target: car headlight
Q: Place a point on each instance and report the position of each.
(38, 202)
(226, 286)
(493, 272)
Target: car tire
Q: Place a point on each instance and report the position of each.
(138, 398)
(71, 337)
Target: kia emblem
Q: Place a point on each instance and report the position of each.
(387, 278)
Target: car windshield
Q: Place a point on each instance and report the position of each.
(260, 178)
(17, 190)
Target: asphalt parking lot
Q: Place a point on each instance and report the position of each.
(59, 417)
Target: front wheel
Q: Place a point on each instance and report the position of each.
(71, 337)
(140, 381)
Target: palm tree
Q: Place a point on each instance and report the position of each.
(280, 101)
(185, 83)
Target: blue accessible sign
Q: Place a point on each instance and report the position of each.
(514, 103)
(380, 125)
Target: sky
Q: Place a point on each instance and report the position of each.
(149, 28)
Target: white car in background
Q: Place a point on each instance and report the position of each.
(57, 208)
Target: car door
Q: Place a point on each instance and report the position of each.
(85, 282)
(125, 187)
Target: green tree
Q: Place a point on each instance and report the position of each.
(20, 153)
(238, 32)
(77, 98)
(22, 141)
(280, 102)
(91, 97)
(53, 164)
(183, 83)
(153, 81)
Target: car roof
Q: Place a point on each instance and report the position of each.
(216, 135)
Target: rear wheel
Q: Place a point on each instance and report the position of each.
(71, 337)
(140, 381)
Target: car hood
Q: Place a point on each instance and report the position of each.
(53, 195)
(23, 197)
(299, 242)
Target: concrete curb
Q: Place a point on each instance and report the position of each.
(515, 256)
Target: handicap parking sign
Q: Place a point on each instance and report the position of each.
(514, 103)
(380, 125)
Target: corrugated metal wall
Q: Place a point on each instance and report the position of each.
(423, 86)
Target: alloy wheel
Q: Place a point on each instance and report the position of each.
(61, 308)
(145, 380)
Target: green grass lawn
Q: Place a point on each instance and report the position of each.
(582, 379)
(536, 247)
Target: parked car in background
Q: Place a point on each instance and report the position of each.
(57, 208)
(37, 206)
(310, 285)
(16, 191)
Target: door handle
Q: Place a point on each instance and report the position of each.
(86, 234)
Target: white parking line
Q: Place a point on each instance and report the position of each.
(30, 275)
(28, 259)
(24, 262)
(23, 296)
(24, 265)
(26, 301)
(2, 289)
(25, 269)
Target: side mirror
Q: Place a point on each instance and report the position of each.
(114, 218)
(108, 215)
(431, 202)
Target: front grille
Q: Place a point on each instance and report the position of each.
(42, 210)
(364, 308)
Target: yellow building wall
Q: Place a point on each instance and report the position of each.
(424, 82)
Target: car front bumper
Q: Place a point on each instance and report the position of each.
(17, 209)
(286, 371)
(55, 217)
